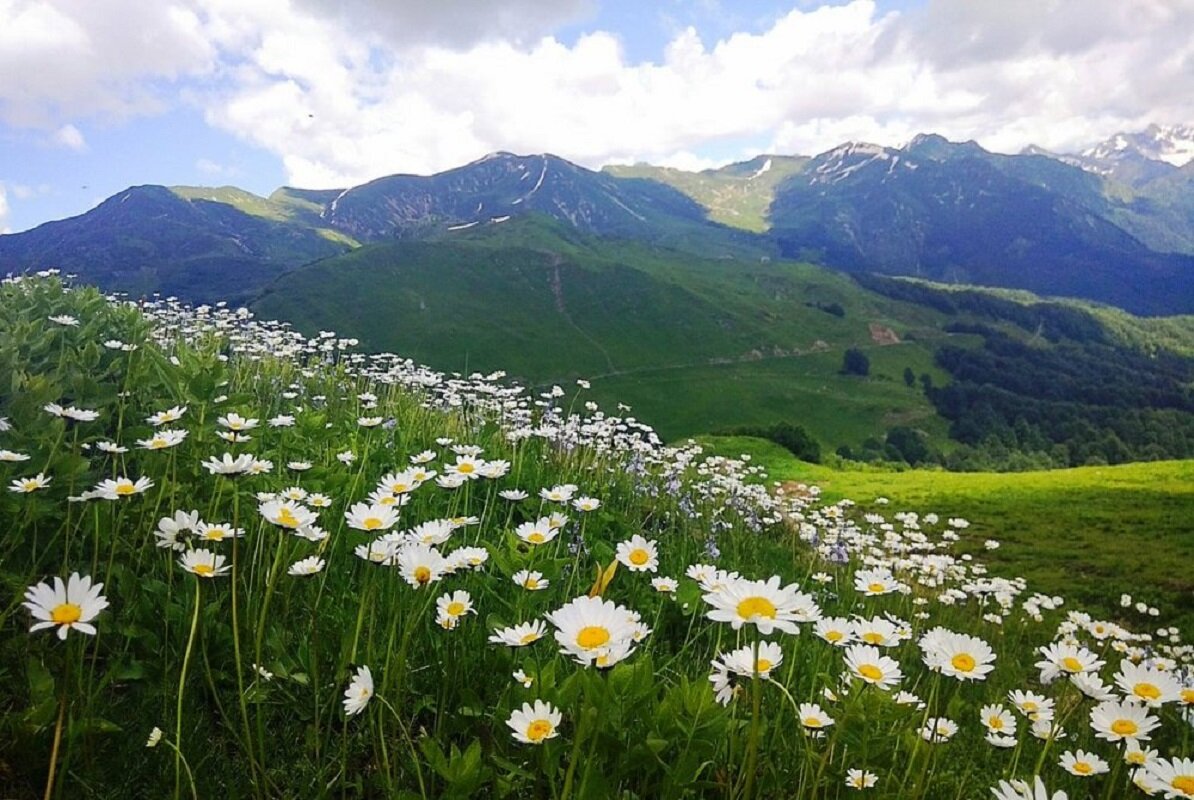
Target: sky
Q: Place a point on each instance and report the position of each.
(98, 95)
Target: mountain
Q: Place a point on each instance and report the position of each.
(202, 244)
(957, 213)
(206, 243)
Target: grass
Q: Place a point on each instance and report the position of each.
(694, 344)
(1089, 533)
(253, 676)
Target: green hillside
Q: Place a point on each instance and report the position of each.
(739, 195)
(692, 344)
(1090, 533)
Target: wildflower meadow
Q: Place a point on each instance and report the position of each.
(238, 562)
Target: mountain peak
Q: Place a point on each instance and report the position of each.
(1171, 144)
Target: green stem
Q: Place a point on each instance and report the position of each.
(182, 679)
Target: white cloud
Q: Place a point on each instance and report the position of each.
(3, 210)
(377, 88)
(71, 138)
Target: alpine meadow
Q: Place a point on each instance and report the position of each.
(596, 400)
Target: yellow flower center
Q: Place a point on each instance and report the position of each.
(31, 485)
(455, 609)
(398, 488)
(371, 523)
(639, 557)
(125, 488)
(422, 574)
(1028, 707)
(812, 722)
(539, 730)
(1135, 757)
(870, 672)
(1071, 664)
(1124, 727)
(1184, 784)
(1188, 696)
(203, 569)
(157, 444)
(1083, 768)
(1146, 690)
(963, 662)
(834, 636)
(536, 538)
(286, 518)
(995, 723)
(66, 613)
(465, 468)
(531, 583)
(592, 636)
(753, 607)
(764, 665)
(871, 637)
(876, 588)
(527, 638)
(214, 534)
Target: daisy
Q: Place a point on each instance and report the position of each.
(558, 494)
(307, 566)
(1083, 764)
(10, 456)
(1117, 721)
(877, 631)
(398, 482)
(870, 665)
(763, 604)
(513, 495)
(286, 514)
(873, 583)
(451, 607)
(163, 439)
(742, 661)
(466, 467)
(170, 529)
(523, 678)
(235, 422)
(217, 532)
(537, 532)
(586, 504)
(424, 457)
(433, 532)
(938, 729)
(665, 585)
(204, 563)
(1175, 776)
(471, 557)
(1020, 790)
(121, 487)
(594, 631)
(638, 554)
(836, 630)
(1068, 659)
(359, 691)
(229, 465)
(317, 500)
(29, 485)
(73, 604)
(165, 417)
(998, 720)
(420, 564)
(519, 635)
(1032, 705)
(813, 717)
(1150, 686)
(957, 655)
(534, 724)
(532, 581)
(860, 779)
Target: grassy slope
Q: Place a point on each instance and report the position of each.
(734, 197)
(1089, 533)
(692, 344)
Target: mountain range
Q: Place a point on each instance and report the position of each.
(1114, 223)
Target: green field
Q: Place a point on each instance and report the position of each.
(692, 344)
(1089, 533)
